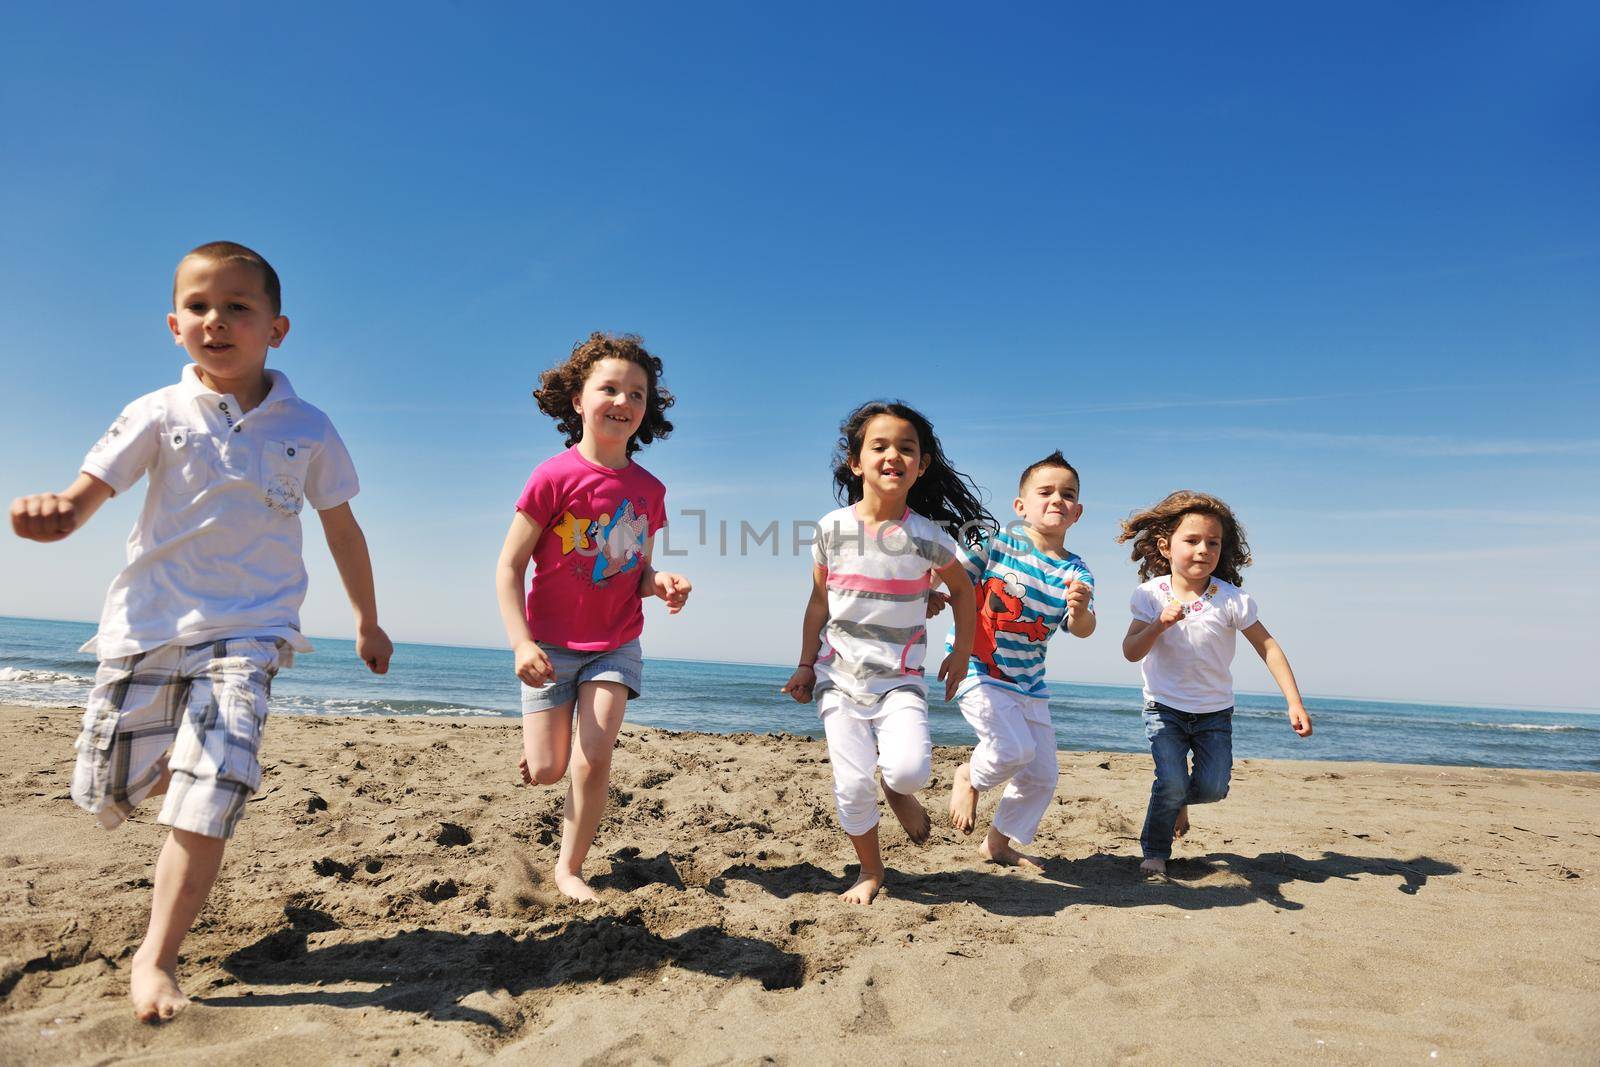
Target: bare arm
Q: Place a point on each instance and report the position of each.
(673, 588)
(1080, 620)
(802, 683)
(47, 517)
(964, 610)
(349, 548)
(1141, 636)
(511, 590)
(1278, 664)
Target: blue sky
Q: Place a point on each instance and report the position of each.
(1338, 266)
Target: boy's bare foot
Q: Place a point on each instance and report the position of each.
(912, 815)
(1153, 868)
(154, 991)
(865, 889)
(522, 769)
(1181, 827)
(963, 800)
(574, 886)
(997, 848)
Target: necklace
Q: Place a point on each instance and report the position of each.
(1195, 606)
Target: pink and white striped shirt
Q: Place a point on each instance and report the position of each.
(878, 579)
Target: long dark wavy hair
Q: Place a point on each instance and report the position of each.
(1150, 528)
(941, 493)
(559, 384)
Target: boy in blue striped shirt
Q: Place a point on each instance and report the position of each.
(1028, 585)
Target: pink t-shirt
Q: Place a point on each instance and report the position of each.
(596, 524)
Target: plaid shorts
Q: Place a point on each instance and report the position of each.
(197, 710)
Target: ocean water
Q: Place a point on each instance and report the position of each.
(39, 666)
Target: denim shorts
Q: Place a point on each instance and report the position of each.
(575, 666)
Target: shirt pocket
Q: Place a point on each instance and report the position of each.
(188, 461)
(283, 476)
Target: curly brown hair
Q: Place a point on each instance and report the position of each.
(559, 384)
(1150, 528)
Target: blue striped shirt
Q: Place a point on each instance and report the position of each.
(1022, 601)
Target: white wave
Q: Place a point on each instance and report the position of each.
(368, 708)
(30, 677)
(1540, 727)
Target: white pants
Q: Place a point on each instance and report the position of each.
(891, 736)
(1014, 748)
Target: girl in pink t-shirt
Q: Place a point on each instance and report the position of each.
(587, 519)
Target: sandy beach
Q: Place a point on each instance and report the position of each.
(384, 902)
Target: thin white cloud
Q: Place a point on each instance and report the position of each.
(1497, 516)
(1433, 557)
(1405, 444)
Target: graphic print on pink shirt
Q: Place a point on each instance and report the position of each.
(597, 524)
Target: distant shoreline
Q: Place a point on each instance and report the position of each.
(489, 717)
(1311, 699)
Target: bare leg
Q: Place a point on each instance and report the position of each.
(185, 872)
(1181, 827)
(546, 745)
(912, 815)
(870, 879)
(963, 800)
(997, 848)
(600, 708)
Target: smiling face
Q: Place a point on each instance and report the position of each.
(891, 458)
(224, 319)
(1194, 548)
(612, 402)
(1048, 502)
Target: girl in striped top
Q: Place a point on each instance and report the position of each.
(865, 630)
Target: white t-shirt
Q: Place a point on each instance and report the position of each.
(1187, 668)
(216, 550)
(877, 631)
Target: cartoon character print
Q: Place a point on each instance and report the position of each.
(606, 546)
(1000, 610)
(620, 539)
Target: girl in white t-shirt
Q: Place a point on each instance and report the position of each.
(1190, 550)
(865, 631)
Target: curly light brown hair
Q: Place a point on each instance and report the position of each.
(1153, 527)
(559, 384)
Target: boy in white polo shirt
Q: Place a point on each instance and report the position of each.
(207, 609)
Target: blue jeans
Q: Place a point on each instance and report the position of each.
(1173, 735)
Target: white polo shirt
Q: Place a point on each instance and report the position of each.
(216, 550)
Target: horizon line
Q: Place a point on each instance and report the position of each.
(1558, 709)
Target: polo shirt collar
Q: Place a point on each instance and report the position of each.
(278, 387)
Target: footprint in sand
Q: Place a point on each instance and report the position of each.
(1119, 969)
(1034, 974)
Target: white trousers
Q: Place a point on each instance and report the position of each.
(890, 736)
(1016, 749)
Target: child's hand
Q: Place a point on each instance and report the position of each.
(1300, 720)
(1078, 596)
(533, 666)
(375, 649)
(1171, 615)
(674, 589)
(952, 671)
(43, 517)
(936, 602)
(801, 683)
